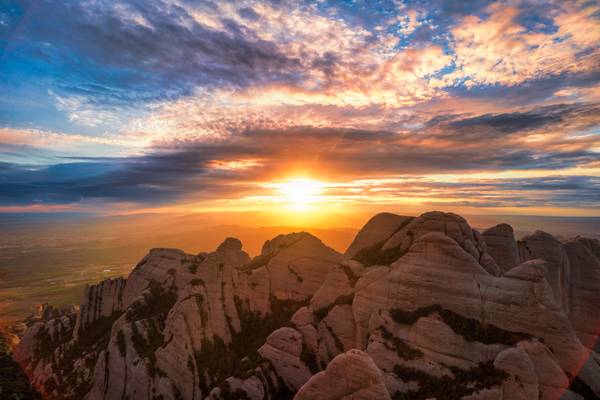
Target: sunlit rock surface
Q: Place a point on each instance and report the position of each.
(417, 307)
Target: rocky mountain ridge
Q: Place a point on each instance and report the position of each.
(416, 308)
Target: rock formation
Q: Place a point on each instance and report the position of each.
(502, 246)
(417, 308)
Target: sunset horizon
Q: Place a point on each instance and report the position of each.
(479, 109)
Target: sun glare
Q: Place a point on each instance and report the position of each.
(301, 193)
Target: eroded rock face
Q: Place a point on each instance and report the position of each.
(545, 246)
(379, 228)
(584, 300)
(450, 225)
(502, 246)
(573, 272)
(100, 302)
(418, 307)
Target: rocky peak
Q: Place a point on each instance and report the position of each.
(378, 228)
(502, 246)
(283, 241)
(415, 309)
(543, 245)
(396, 244)
(230, 244)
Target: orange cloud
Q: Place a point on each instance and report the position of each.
(499, 50)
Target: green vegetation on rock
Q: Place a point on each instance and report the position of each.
(403, 350)
(470, 329)
(377, 255)
(263, 259)
(146, 346)
(121, 344)
(216, 360)
(309, 359)
(96, 330)
(340, 300)
(352, 277)
(13, 381)
(462, 383)
(156, 303)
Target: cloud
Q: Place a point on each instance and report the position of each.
(112, 55)
(499, 49)
(83, 111)
(31, 144)
(174, 100)
(234, 166)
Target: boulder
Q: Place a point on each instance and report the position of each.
(351, 375)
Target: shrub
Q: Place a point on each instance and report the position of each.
(13, 381)
(201, 310)
(156, 303)
(309, 359)
(217, 361)
(403, 350)
(121, 344)
(263, 259)
(463, 383)
(197, 282)
(237, 394)
(258, 261)
(95, 331)
(470, 329)
(376, 255)
(352, 277)
(342, 299)
(338, 343)
(146, 347)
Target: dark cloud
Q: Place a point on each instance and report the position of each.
(152, 179)
(528, 93)
(558, 117)
(550, 191)
(248, 13)
(186, 170)
(101, 52)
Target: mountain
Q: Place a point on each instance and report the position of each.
(416, 308)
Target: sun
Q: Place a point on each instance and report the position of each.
(301, 193)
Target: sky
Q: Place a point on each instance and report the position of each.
(471, 106)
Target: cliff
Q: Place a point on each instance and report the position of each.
(417, 307)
